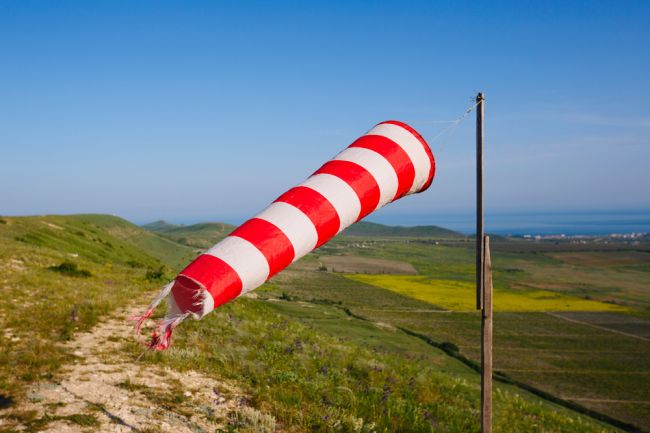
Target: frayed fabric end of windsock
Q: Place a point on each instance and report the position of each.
(161, 335)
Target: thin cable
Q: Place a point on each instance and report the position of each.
(453, 124)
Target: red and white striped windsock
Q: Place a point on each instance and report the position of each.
(391, 161)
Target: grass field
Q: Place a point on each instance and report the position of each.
(366, 265)
(595, 356)
(319, 370)
(596, 368)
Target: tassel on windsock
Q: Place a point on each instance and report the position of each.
(391, 161)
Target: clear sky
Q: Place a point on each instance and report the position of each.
(191, 111)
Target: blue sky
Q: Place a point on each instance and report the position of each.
(192, 111)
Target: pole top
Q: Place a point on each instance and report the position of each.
(480, 97)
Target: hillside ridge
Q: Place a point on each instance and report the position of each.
(362, 228)
(366, 228)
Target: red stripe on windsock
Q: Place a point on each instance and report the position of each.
(317, 208)
(270, 240)
(427, 149)
(359, 179)
(395, 155)
(215, 275)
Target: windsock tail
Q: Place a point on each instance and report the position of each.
(161, 336)
(139, 320)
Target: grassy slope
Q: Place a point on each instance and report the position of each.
(168, 252)
(40, 307)
(571, 360)
(318, 369)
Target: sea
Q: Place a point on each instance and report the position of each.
(538, 223)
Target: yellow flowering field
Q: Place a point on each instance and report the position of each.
(460, 295)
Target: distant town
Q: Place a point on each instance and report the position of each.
(582, 238)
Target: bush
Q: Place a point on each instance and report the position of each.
(70, 269)
(155, 274)
(287, 297)
(449, 347)
(252, 420)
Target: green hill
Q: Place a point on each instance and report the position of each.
(160, 226)
(368, 229)
(202, 235)
(99, 238)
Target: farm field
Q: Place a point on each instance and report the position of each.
(292, 359)
(586, 342)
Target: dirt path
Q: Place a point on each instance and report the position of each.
(104, 390)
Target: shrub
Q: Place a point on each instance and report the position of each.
(70, 269)
(155, 274)
(287, 297)
(251, 419)
(449, 347)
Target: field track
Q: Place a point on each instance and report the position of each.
(581, 322)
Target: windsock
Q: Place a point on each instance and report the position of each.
(391, 161)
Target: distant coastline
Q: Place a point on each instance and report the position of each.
(594, 223)
(542, 223)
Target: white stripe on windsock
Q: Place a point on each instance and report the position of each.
(339, 194)
(294, 224)
(378, 167)
(412, 146)
(249, 263)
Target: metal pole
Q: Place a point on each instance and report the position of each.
(486, 341)
(479, 201)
